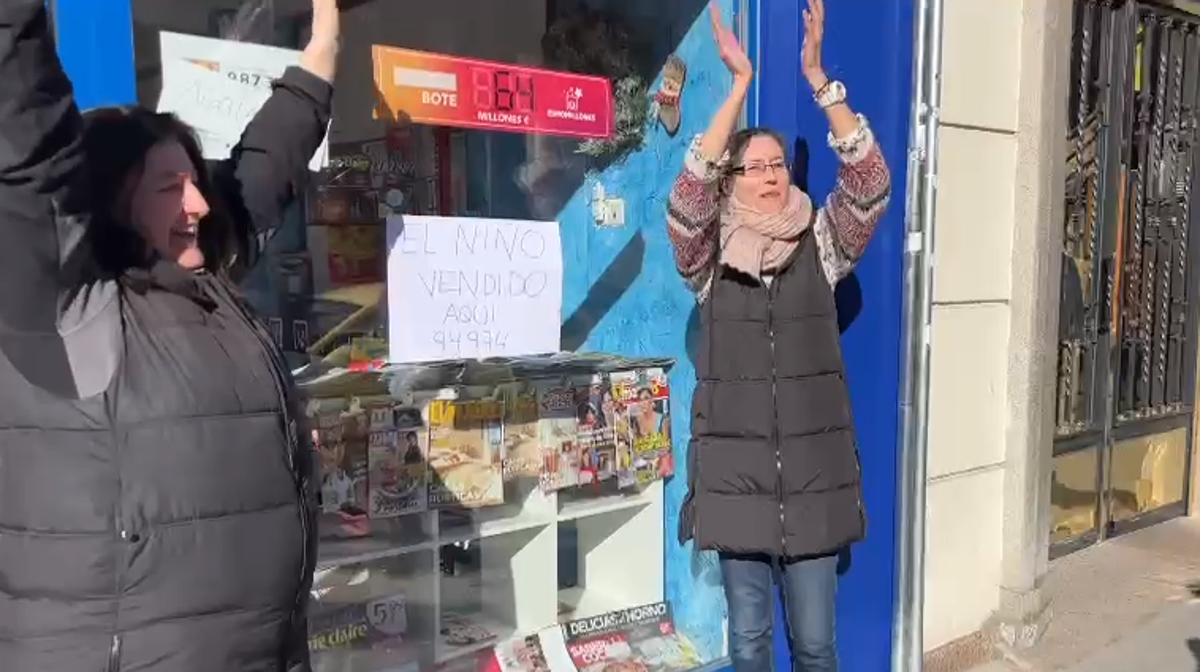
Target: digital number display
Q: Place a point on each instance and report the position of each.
(503, 90)
(442, 90)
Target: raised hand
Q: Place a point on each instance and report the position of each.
(730, 50)
(326, 24)
(810, 53)
(320, 56)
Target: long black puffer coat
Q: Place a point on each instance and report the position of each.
(773, 459)
(156, 508)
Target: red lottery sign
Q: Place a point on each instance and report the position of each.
(442, 90)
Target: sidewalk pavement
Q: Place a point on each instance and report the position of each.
(1169, 643)
(1131, 604)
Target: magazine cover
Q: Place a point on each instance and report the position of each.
(650, 426)
(597, 442)
(523, 458)
(341, 440)
(554, 649)
(466, 453)
(521, 654)
(326, 429)
(639, 639)
(397, 483)
(558, 431)
(624, 392)
(360, 635)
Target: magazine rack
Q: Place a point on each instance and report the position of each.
(444, 584)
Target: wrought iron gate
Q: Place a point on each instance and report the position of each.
(1127, 334)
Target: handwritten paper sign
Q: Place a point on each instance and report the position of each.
(465, 288)
(217, 86)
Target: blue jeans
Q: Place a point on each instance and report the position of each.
(809, 587)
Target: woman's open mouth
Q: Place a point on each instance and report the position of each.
(186, 235)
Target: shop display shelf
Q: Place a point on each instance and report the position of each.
(446, 652)
(457, 526)
(341, 552)
(371, 540)
(480, 574)
(453, 534)
(583, 507)
(579, 602)
(493, 589)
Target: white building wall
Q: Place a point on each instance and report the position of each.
(1002, 144)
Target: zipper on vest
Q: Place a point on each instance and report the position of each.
(775, 414)
(114, 655)
(862, 511)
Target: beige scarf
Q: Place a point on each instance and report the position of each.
(757, 243)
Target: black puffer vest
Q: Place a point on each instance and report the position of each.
(773, 461)
(166, 524)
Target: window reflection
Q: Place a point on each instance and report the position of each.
(1147, 473)
(440, 588)
(1073, 494)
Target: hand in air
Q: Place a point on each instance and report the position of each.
(320, 56)
(810, 53)
(730, 50)
(326, 24)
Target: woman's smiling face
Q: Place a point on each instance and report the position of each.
(166, 206)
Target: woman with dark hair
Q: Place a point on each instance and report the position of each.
(773, 464)
(157, 508)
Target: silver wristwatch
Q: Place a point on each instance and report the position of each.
(831, 94)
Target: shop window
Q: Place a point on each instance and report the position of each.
(452, 583)
(1074, 495)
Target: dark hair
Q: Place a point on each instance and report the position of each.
(115, 143)
(740, 140)
(737, 147)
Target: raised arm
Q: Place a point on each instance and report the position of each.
(864, 185)
(268, 168)
(853, 209)
(42, 204)
(693, 206)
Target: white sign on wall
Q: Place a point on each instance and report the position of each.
(465, 287)
(217, 86)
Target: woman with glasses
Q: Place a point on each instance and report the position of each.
(774, 478)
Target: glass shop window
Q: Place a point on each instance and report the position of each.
(462, 108)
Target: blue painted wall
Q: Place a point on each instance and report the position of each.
(869, 46)
(95, 44)
(654, 308)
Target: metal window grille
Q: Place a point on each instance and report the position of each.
(1127, 333)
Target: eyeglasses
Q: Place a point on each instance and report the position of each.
(760, 169)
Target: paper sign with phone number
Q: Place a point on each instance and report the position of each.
(443, 90)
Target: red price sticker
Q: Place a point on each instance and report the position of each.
(443, 90)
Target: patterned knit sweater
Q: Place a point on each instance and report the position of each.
(842, 228)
